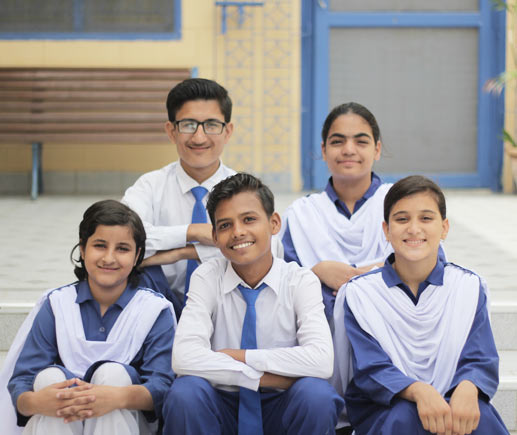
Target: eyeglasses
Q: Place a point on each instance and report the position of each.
(210, 126)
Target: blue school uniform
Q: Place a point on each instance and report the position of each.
(290, 253)
(373, 406)
(151, 366)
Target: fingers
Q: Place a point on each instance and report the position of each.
(80, 415)
(65, 384)
(77, 409)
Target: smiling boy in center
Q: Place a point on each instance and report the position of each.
(253, 348)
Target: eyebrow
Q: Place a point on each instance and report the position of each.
(246, 213)
(420, 211)
(355, 136)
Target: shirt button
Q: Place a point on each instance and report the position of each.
(102, 329)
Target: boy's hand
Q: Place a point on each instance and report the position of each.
(465, 408)
(236, 354)
(270, 380)
(49, 400)
(201, 233)
(171, 256)
(334, 273)
(434, 412)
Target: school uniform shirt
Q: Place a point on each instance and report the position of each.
(164, 201)
(441, 337)
(152, 361)
(293, 336)
(320, 227)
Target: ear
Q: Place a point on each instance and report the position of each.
(214, 235)
(378, 148)
(323, 151)
(275, 221)
(170, 130)
(81, 251)
(136, 257)
(445, 229)
(228, 132)
(385, 228)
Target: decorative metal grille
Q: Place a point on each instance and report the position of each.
(256, 56)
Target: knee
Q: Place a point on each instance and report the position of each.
(403, 416)
(187, 394)
(316, 395)
(48, 376)
(113, 374)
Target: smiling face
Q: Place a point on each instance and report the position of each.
(199, 153)
(350, 149)
(415, 229)
(242, 231)
(109, 256)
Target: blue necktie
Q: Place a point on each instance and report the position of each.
(250, 409)
(198, 217)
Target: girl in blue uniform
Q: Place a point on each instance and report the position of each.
(337, 233)
(424, 356)
(97, 358)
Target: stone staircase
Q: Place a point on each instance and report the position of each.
(37, 237)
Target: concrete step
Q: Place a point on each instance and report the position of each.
(15, 305)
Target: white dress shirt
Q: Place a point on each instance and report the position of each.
(164, 202)
(293, 336)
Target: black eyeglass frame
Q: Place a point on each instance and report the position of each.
(198, 123)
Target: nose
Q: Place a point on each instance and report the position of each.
(238, 230)
(348, 148)
(199, 135)
(413, 227)
(108, 257)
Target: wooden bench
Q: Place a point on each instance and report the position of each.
(83, 106)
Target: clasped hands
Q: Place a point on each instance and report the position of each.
(458, 417)
(73, 400)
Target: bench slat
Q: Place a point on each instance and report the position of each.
(173, 75)
(86, 138)
(49, 85)
(80, 117)
(78, 95)
(69, 105)
(26, 128)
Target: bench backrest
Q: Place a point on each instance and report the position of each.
(83, 105)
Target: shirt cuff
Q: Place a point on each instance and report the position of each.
(205, 252)
(256, 359)
(250, 378)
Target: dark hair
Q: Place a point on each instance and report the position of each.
(198, 89)
(241, 182)
(109, 212)
(410, 186)
(355, 108)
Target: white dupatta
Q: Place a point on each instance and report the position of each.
(123, 342)
(424, 341)
(319, 232)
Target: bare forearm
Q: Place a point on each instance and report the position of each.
(171, 256)
(136, 397)
(27, 404)
(270, 380)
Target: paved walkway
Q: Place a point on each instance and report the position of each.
(37, 237)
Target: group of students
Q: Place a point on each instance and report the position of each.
(362, 326)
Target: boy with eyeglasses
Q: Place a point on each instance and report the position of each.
(171, 200)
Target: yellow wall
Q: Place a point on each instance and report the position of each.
(202, 46)
(511, 89)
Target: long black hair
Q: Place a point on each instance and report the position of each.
(110, 212)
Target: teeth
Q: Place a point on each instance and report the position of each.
(242, 245)
(414, 242)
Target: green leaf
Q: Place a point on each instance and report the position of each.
(507, 137)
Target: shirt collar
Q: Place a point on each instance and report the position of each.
(186, 182)
(374, 185)
(273, 278)
(391, 278)
(84, 294)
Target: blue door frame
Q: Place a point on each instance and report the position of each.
(317, 21)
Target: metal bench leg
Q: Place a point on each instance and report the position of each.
(36, 169)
